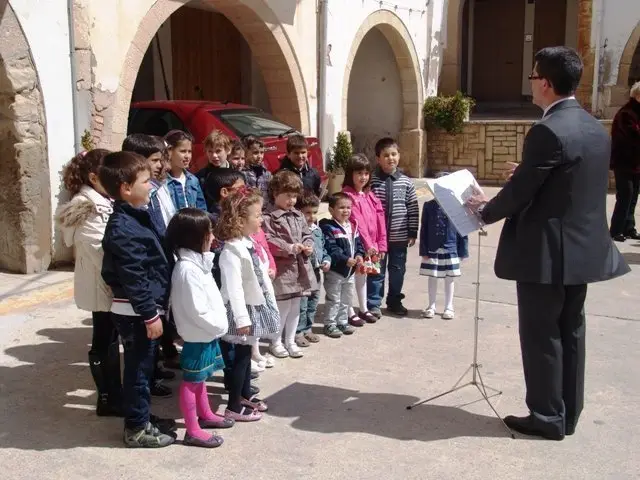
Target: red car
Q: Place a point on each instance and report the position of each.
(200, 118)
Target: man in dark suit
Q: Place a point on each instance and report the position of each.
(555, 241)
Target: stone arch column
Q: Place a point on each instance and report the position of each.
(25, 199)
(411, 137)
(269, 45)
(451, 71)
(618, 94)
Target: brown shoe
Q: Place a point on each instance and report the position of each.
(312, 337)
(368, 317)
(356, 321)
(301, 340)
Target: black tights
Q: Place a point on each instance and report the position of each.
(240, 377)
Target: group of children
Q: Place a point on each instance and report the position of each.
(227, 257)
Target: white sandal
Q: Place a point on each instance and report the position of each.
(428, 312)
(269, 362)
(256, 367)
(448, 315)
(278, 351)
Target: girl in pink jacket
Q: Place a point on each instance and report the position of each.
(368, 213)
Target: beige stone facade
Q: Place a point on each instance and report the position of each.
(484, 148)
(25, 210)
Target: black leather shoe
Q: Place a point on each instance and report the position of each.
(633, 235)
(532, 426)
(619, 238)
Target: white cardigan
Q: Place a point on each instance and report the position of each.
(196, 303)
(83, 221)
(240, 286)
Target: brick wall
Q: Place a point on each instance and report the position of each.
(484, 147)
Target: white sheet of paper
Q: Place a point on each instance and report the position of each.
(451, 191)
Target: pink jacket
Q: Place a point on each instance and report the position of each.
(368, 213)
(261, 239)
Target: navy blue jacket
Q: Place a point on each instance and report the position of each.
(135, 264)
(337, 245)
(311, 180)
(155, 211)
(437, 231)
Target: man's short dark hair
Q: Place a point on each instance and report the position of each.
(119, 168)
(560, 66)
(296, 142)
(307, 199)
(337, 197)
(223, 178)
(145, 145)
(383, 143)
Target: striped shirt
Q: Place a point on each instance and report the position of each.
(400, 203)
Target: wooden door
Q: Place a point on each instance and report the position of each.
(550, 24)
(206, 56)
(498, 36)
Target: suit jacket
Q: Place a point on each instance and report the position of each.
(555, 204)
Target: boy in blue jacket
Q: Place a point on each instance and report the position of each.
(346, 250)
(136, 268)
(308, 204)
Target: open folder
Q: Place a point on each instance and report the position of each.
(451, 192)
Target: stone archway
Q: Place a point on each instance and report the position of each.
(25, 209)
(411, 136)
(269, 45)
(451, 70)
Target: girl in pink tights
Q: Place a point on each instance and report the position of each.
(201, 318)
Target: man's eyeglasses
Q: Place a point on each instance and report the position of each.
(535, 77)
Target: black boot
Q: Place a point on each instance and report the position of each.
(107, 405)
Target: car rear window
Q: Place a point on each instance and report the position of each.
(153, 121)
(252, 122)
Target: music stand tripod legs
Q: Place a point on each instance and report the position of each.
(474, 368)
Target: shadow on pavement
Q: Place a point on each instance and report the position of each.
(632, 258)
(50, 403)
(325, 409)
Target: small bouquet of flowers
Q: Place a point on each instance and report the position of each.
(370, 265)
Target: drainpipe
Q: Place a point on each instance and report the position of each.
(323, 15)
(77, 147)
(595, 92)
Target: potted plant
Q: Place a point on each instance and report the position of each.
(340, 156)
(447, 113)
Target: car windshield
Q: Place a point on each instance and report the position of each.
(252, 122)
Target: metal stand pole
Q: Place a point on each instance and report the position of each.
(474, 368)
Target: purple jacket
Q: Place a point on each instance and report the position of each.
(367, 212)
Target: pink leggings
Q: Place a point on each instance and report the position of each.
(194, 404)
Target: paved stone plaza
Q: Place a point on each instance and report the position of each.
(340, 411)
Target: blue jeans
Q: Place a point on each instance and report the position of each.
(308, 308)
(395, 261)
(139, 358)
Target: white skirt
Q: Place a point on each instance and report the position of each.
(440, 264)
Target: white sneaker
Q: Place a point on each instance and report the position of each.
(294, 351)
(256, 367)
(428, 312)
(278, 351)
(448, 315)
